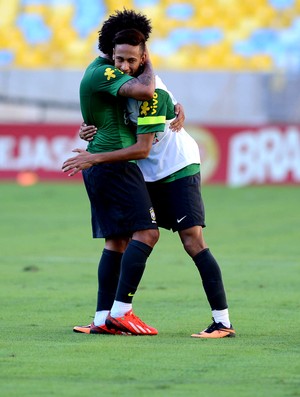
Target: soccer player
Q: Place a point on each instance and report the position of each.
(172, 172)
(122, 212)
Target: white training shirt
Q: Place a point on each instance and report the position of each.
(171, 151)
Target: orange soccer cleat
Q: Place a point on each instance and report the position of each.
(93, 329)
(216, 330)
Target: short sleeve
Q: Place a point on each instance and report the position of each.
(154, 113)
(109, 79)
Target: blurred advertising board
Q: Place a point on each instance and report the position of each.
(231, 155)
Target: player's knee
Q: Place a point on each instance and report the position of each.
(192, 240)
(192, 246)
(118, 244)
(153, 237)
(149, 237)
(188, 245)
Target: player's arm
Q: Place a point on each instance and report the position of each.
(178, 121)
(87, 132)
(142, 87)
(84, 159)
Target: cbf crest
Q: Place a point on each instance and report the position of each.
(110, 73)
(152, 214)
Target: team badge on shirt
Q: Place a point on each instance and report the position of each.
(110, 73)
(145, 108)
(152, 214)
(149, 107)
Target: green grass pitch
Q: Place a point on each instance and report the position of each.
(48, 284)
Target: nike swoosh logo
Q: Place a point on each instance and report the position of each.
(130, 294)
(181, 219)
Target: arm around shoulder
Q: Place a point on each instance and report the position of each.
(142, 87)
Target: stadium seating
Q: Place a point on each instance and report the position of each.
(257, 35)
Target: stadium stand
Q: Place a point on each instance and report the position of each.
(255, 35)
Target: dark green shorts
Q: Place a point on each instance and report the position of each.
(178, 205)
(120, 202)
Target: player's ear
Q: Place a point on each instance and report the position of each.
(143, 58)
(113, 55)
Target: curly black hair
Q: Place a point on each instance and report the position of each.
(121, 20)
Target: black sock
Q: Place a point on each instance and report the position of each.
(132, 269)
(108, 278)
(212, 279)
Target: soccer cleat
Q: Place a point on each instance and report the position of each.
(216, 330)
(93, 329)
(129, 324)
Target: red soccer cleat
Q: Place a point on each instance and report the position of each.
(129, 324)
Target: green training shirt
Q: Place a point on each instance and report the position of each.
(102, 107)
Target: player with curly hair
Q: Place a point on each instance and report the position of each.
(172, 172)
(123, 216)
(121, 20)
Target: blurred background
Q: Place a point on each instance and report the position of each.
(234, 65)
